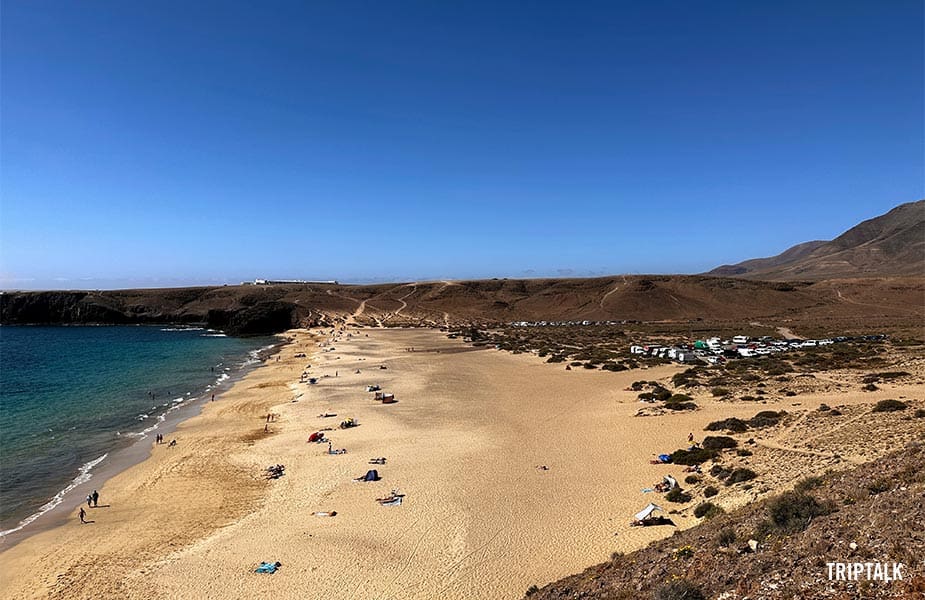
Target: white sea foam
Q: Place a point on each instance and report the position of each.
(83, 475)
(212, 335)
(181, 329)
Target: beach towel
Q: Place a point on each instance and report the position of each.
(266, 567)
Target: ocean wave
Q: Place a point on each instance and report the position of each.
(83, 476)
(212, 335)
(182, 328)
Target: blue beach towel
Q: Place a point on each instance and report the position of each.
(266, 567)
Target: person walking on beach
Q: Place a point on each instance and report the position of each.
(89, 500)
(82, 514)
(96, 498)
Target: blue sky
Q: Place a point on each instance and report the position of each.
(174, 143)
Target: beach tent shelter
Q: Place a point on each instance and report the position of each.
(671, 481)
(371, 475)
(647, 512)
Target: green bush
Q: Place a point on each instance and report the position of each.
(730, 424)
(692, 479)
(719, 442)
(719, 392)
(679, 589)
(710, 491)
(692, 457)
(919, 413)
(890, 406)
(680, 406)
(740, 475)
(766, 418)
(612, 366)
(791, 512)
(743, 452)
(720, 472)
(708, 510)
(678, 495)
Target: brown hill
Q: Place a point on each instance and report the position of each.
(891, 244)
(273, 308)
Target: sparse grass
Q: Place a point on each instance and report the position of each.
(679, 589)
(809, 483)
(727, 537)
(879, 486)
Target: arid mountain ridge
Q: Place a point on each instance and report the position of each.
(876, 269)
(889, 245)
(274, 308)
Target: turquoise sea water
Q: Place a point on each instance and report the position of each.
(71, 395)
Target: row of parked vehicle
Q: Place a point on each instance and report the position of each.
(714, 350)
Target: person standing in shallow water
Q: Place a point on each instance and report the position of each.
(96, 498)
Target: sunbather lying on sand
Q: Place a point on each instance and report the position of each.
(377, 461)
(329, 513)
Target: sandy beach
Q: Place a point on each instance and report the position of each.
(463, 444)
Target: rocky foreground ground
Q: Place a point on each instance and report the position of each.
(779, 548)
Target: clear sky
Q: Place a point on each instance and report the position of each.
(174, 143)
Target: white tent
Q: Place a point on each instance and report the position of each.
(647, 511)
(671, 481)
